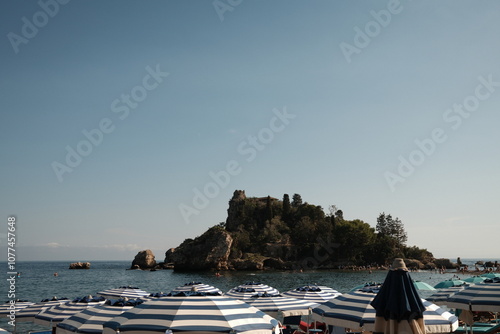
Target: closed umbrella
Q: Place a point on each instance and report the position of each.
(275, 305)
(398, 306)
(29, 313)
(478, 297)
(195, 314)
(54, 315)
(313, 293)
(250, 289)
(90, 320)
(196, 286)
(123, 292)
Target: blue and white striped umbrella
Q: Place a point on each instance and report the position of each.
(198, 287)
(350, 310)
(14, 306)
(5, 309)
(313, 293)
(250, 289)
(29, 313)
(478, 297)
(54, 315)
(441, 296)
(123, 292)
(437, 319)
(275, 305)
(193, 315)
(353, 310)
(90, 320)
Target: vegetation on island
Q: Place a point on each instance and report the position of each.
(288, 233)
(255, 223)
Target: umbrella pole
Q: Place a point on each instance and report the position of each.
(309, 321)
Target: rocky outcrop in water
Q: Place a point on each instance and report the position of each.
(79, 265)
(144, 260)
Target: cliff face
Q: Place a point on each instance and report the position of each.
(235, 210)
(209, 251)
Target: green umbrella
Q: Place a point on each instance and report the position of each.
(490, 275)
(449, 283)
(423, 286)
(475, 279)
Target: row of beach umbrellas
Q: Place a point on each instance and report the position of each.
(75, 315)
(248, 308)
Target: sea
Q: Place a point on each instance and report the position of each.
(37, 281)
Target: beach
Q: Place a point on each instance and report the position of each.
(37, 280)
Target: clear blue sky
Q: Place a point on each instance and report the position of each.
(356, 85)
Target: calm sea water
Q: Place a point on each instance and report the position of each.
(37, 280)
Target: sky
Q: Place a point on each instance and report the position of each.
(127, 125)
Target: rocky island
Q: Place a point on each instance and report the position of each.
(267, 233)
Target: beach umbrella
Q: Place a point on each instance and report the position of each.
(196, 286)
(449, 283)
(478, 297)
(91, 319)
(490, 275)
(313, 293)
(29, 313)
(123, 292)
(52, 316)
(13, 306)
(397, 305)
(194, 314)
(441, 296)
(250, 289)
(286, 306)
(475, 279)
(437, 319)
(423, 286)
(353, 310)
(349, 310)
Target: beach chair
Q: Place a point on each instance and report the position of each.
(291, 324)
(479, 328)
